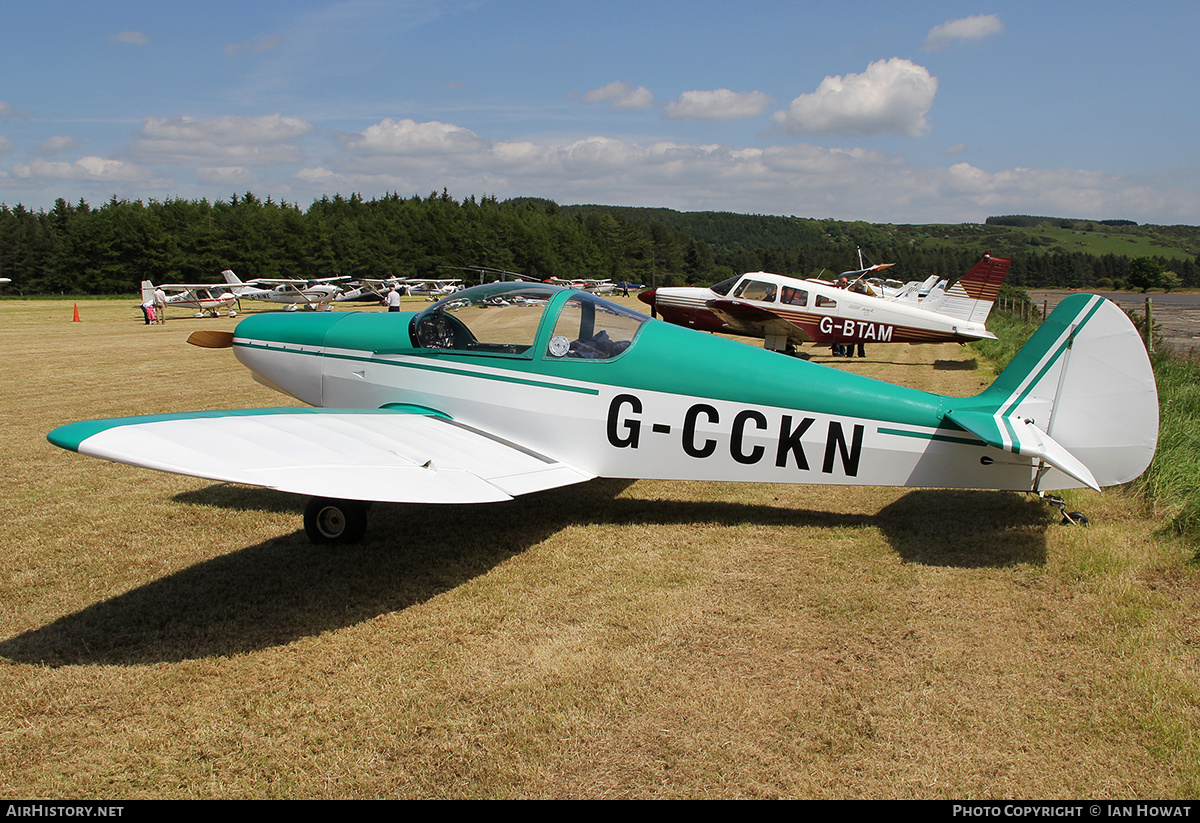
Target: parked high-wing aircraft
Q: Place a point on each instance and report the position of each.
(432, 288)
(200, 297)
(367, 290)
(313, 294)
(511, 388)
(787, 311)
(584, 284)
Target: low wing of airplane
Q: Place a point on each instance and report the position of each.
(787, 311)
(512, 388)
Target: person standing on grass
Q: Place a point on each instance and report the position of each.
(160, 305)
(393, 299)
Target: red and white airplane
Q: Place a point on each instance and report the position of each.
(788, 311)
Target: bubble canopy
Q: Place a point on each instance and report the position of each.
(528, 320)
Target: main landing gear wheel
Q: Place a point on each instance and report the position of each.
(329, 522)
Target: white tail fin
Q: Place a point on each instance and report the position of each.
(1082, 385)
(231, 278)
(147, 291)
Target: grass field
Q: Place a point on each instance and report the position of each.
(167, 637)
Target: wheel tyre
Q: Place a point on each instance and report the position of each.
(330, 522)
(1075, 519)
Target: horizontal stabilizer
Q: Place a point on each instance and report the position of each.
(382, 455)
(1012, 434)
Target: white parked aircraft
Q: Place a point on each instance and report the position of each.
(318, 293)
(584, 284)
(434, 289)
(200, 297)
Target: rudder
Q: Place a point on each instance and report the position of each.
(1084, 381)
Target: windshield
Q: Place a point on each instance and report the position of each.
(501, 318)
(725, 285)
(504, 318)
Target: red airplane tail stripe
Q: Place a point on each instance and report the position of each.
(983, 281)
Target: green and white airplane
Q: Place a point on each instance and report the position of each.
(512, 388)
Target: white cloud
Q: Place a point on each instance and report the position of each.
(891, 96)
(55, 145)
(222, 141)
(965, 28)
(89, 168)
(846, 183)
(6, 145)
(957, 148)
(228, 130)
(410, 138)
(717, 105)
(621, 95)
(132, 38)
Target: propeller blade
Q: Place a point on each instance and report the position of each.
(211, 339)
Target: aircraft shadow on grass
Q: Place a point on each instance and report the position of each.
(285, 589)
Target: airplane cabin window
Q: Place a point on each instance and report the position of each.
(826, 302)
(796, 297)
(756, 290)
(593, 329)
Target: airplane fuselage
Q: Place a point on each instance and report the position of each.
(811, 310)
(202, 300)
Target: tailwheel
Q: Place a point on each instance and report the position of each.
(1068, 518)
(329, 522)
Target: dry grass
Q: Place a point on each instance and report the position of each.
(168, 637)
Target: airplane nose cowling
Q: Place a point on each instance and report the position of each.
(647, 297)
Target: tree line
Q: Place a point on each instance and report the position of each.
(109, 249)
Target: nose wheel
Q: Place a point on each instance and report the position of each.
(329, 522)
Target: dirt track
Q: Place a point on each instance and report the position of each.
(1176, 314)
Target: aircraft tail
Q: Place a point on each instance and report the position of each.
(147, 291)
(972, 295)
(1079, 396)
(236, 285)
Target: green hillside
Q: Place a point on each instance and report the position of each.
(727, 232)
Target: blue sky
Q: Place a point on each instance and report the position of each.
(886, 112)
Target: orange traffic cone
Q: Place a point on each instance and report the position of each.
(76, 320)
